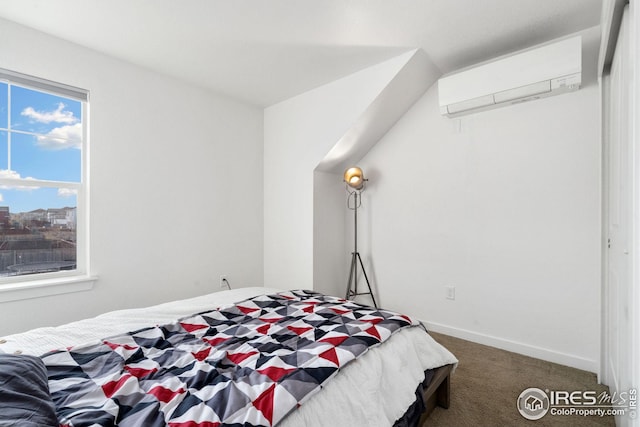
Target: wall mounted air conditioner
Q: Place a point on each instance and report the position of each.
(534, 73)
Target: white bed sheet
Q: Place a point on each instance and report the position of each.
(366, 393)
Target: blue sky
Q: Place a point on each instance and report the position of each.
(51, 150)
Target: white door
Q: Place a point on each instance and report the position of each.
(618, 289)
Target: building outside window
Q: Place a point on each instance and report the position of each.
(43, 178)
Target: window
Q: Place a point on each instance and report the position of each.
(43, 149)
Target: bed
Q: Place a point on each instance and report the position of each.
(391, 372)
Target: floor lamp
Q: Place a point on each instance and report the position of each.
(355, 180)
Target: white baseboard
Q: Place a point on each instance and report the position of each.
(516, 347)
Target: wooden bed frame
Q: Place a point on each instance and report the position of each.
(438, 393)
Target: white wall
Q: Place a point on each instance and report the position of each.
(176, 194)
(505, 206)
(298, 134)
(329, 249)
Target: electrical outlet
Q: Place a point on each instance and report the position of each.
(223, 281)
(450, 292)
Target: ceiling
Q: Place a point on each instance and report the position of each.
(265, 51)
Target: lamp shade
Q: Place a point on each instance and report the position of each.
(354, 177)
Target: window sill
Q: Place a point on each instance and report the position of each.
(45, 287)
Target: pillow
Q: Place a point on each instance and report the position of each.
(24, 393)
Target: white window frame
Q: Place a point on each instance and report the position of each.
(42, 284)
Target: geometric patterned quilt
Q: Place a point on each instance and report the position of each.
(246, 364)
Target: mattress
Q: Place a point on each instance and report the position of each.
(366, 392)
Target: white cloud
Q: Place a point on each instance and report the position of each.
(69, 136)
(6, 173)
(67, 192)
(57, 116)
(1, 198)
(9, 174)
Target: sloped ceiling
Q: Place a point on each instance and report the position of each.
(263, 52)
(407, 85)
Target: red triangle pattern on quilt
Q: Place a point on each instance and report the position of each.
(373, 331)
(110, 388)
(264, 403)
(115, 346)
(164, 394)
(247, 310)
(331, 356)
(191, 327)
(215, 341)
(202, 354)
(275, 373)
(237, 358)
(140, 372)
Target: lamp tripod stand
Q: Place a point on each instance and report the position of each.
(352, 284)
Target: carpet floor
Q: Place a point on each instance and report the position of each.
(487, 382)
